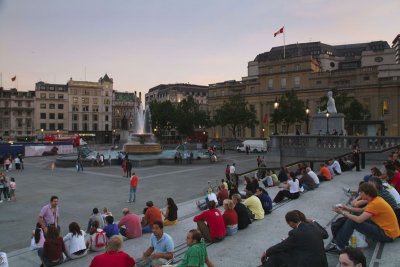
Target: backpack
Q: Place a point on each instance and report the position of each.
(100, 239)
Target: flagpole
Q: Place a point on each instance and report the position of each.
(284, 45)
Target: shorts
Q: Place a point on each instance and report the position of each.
(12, 193)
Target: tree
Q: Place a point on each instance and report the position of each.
(291, 110)
(234, 113)
(163, 115)
(189, 116)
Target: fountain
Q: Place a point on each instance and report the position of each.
(141, 140)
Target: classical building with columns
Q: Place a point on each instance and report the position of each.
(367, 71)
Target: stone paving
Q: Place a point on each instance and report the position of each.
(79, 192)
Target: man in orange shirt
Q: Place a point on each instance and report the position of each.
(151, 215)
(377, 220)
(324, 173)
(133, 185)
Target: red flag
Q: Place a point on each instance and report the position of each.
(13, 78)
(279, 31)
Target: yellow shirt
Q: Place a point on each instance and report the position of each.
(254, 204)
(384, 216)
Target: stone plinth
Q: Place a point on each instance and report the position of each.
(319, 123)
(142, 148)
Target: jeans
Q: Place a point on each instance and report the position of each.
(146, 229)
(368, 228)
(231, 231)
(132, 191)
(307, 188)
(285, 193)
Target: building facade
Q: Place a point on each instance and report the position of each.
(366, 71)
(17, 115)
(396, 47)
(90, 109)
(177, 92)
(51, 108)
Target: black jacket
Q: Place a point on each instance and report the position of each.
(305, 247)
(243, 215)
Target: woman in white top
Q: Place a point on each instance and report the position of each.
(74, 242)
(37, 240)
(291, 189)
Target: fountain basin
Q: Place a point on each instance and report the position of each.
(152, 148)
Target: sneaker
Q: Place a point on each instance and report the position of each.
(128, 201)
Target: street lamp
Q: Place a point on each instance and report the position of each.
(263, 132)
(276, 106)
(42, 134)
(113, 137)
(307, 119)
(327, 122)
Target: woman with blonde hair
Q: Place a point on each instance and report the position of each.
(230, 217)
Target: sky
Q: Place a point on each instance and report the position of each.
(141, 44)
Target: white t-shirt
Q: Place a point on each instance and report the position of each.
(393, 192)
(16, 160)
(232, 169)
(74, 243)
(314, 176)
(293, 186)
(335, 165)
(212, 196)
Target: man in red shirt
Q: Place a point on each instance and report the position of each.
(222, 195)
(113, 255)
(324, 173)
(131, 221)
(214, 230)
(396, 178)
(133, 186)
(151, 215)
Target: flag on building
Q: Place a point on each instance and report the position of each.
(13, 78)
(279, 31)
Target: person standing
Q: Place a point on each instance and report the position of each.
(128, 168)
(17, 162)
(133, 185)
(227, 172)
(356, 155)
(50, 214)
(232, 174)
(109, 160)
(123, 168)
(79, 166)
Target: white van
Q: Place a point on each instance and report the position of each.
(255, 146)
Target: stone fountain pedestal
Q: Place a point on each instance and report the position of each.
(142, 146)
(319, 123)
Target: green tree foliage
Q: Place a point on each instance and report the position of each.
(291, 110)
(189, 116)
(163, 114)
(235, 113)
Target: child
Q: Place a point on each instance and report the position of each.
(13, 186)
(97, 241)
(111, 228)
(106, 213)
(37, 237)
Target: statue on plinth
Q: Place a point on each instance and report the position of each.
(330, 106)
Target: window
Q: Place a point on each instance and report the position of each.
(60, 96)
(75, 100)
(43, 126)
(75, 127)
(385, 107)
(85, 126)
(106, 108)
(86, 92)
(60, 116)
(52, 95)
(19, 122)
(52, 106)
(270, 70)
(95, 108)
(52, 116)
(74, 117)
(270, 83)
(42, 95)
(43, 116)
(106, 118)
(85, 117)
(283, 83)
(51, 88)
(297, 82)
(28, 123)
(95, 117)
(283, 69)
(106, 127)
(75, 108)
(73, 92)
(52, 126)
(94, 128)
(85, 108)
(85, 100)
(60, 126)
(60, 89)
(60, 106)
(95, 101)
(366, 78)
(318, 82)
(19, 103)
(297, 67)
(106, 101)
(42, 105)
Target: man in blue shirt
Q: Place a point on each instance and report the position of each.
(161, 248)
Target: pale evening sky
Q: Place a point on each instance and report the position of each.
(141, 44)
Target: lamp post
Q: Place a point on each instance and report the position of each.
(42, 135)
(307, 118)
(276, 105)
(327, 122)
(113, 137)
